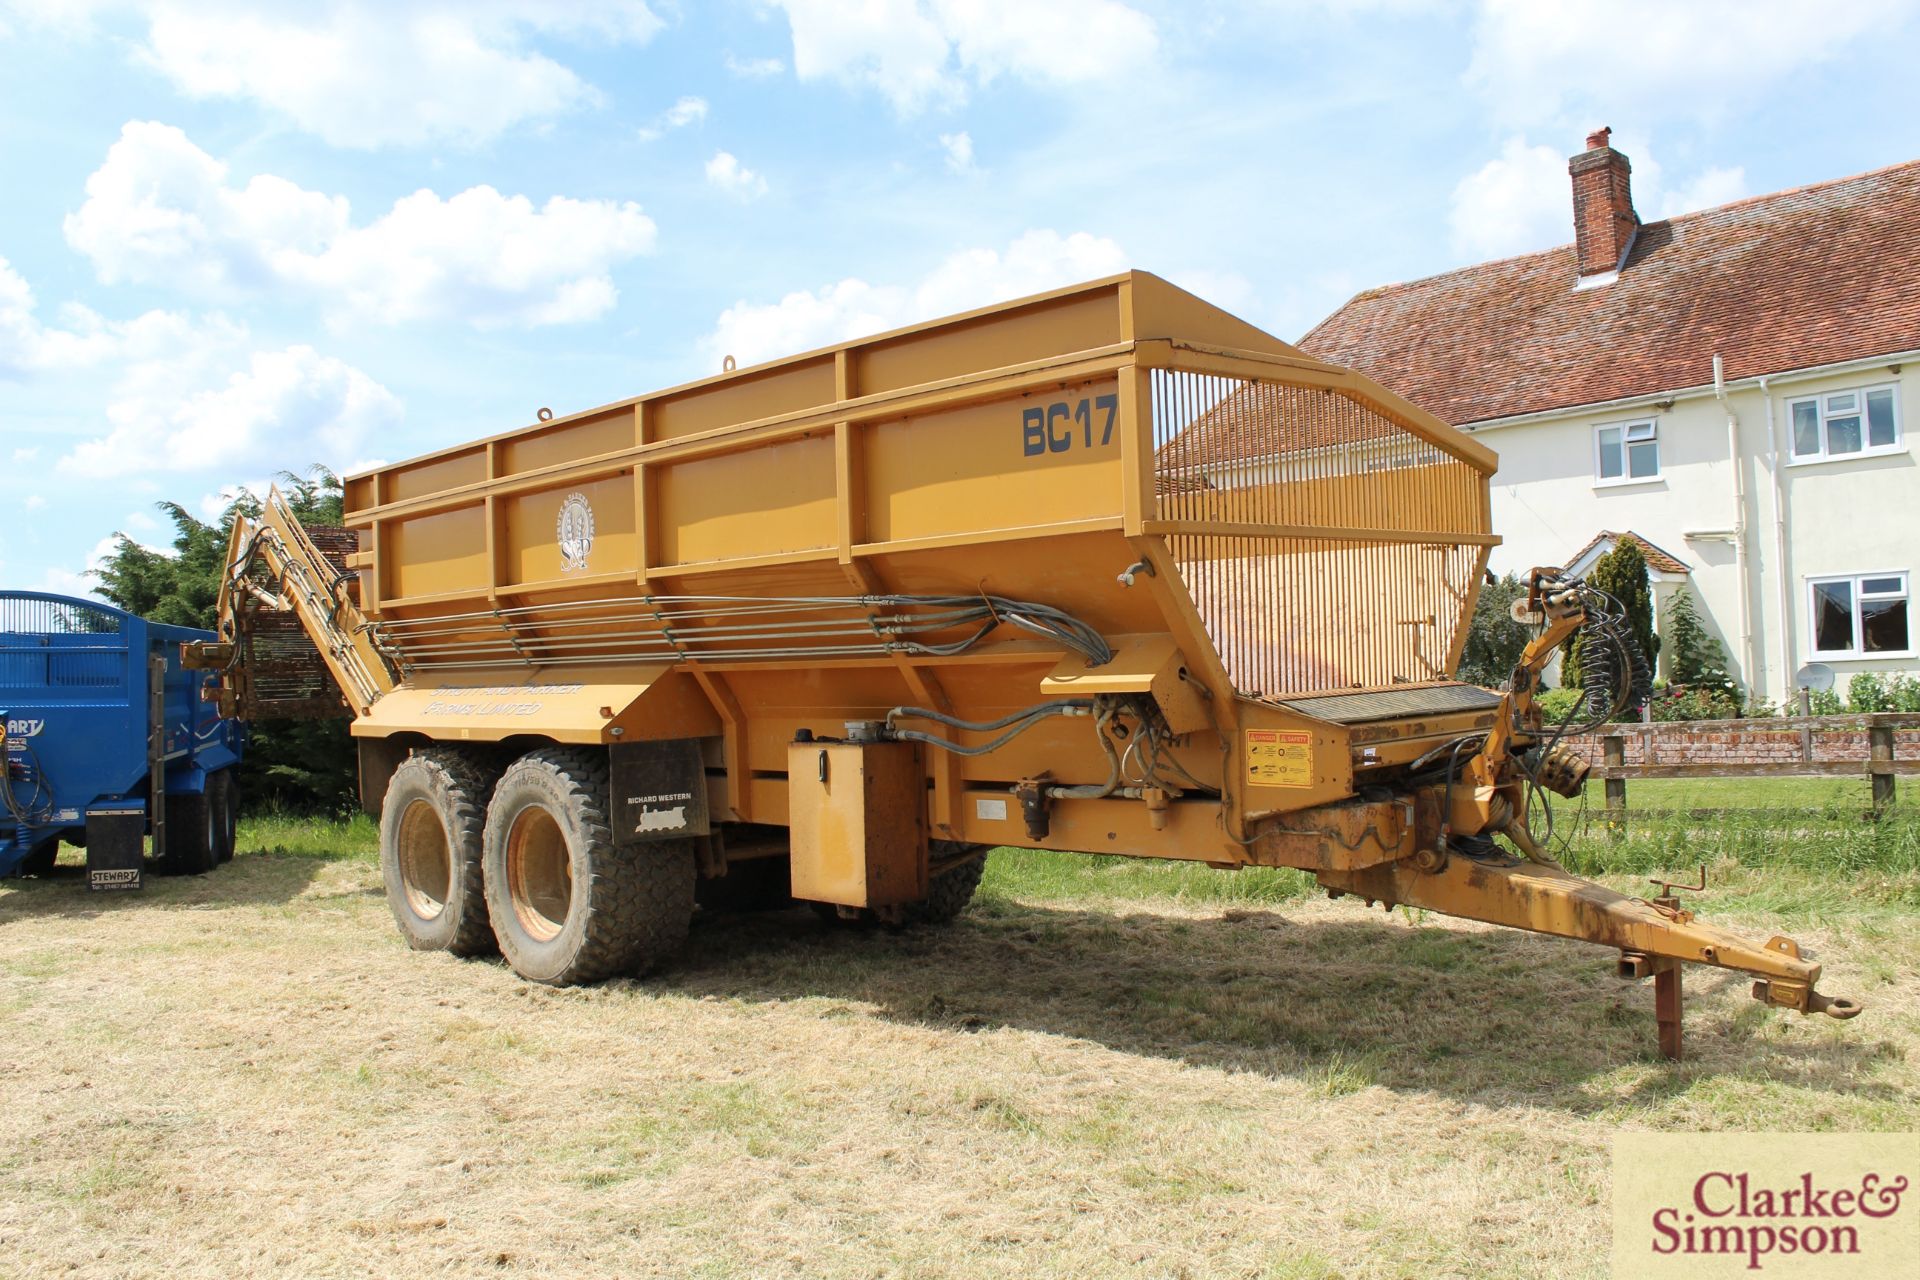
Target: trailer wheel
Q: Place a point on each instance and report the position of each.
(191, 835)
(223, 803)
(950, 892)
(568, 905)
(42, 858)
(431, 825)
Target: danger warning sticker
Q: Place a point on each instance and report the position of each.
(1276, 759)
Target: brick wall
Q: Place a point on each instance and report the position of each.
(1679, 745)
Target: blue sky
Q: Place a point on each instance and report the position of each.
(242, 237)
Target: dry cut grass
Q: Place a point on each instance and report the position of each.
(1089, 1075)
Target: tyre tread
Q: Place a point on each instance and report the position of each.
(468, 780)
(639, 898)
(950, 892)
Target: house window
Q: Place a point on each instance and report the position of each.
(1844, 424)
(1860, 617)
(1628, 451)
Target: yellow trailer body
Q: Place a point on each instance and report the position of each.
(1133, 576)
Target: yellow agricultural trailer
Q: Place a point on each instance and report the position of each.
(1104, 569)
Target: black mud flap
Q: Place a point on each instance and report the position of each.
(116, 836)
(659, 791)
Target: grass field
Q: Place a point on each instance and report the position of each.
(1105, 1068)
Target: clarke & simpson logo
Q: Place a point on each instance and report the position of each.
(1791, 1205)
(1727, 1214)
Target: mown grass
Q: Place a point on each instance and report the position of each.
(1740, 793)
(1788, 845)
(1041, 873)
(1835, 842)
(1108, 1067)
(354, 838)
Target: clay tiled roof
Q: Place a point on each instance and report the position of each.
(1261, 420)
(1801, 278)
(1654, 556)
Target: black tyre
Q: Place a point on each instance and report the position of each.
(223, 804)
(41, 858)
(756, 884)
(568, 906)
(192, 835)
(950, 892)
(431, 829)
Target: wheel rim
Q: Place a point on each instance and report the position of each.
(426, 863)
(539, 874)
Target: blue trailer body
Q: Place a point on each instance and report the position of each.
(78, 696)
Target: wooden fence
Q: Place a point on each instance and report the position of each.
(1774, 747)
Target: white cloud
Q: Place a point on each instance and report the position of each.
(27, 345)
(86, 339)
(1535, 59)
(161, 211)
(727, 173)
(214, 505)
(1711, 188)
(34, 502)
(21, 457)
(959, 149)
(213, 409)
(921, 53)
(686, 111)
(1520, 201)
(62, 581)
(70, 17)
(1037, 261)
(363, 74)
(754, 68)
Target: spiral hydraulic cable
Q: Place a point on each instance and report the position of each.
(1615, 678)
(25, 812)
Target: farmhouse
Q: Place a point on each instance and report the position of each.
(1735, 388)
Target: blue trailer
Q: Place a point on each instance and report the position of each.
(108, 742)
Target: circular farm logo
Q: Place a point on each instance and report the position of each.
(574, 532)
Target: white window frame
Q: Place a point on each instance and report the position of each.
(1626, 475)
(1819, 403)
(1857, 653)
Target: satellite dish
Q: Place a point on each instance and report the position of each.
(1817, 676)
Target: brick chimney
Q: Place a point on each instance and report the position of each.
(1603, 218)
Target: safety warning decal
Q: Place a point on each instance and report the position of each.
(1276, 759)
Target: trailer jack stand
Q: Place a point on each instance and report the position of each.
(1666, 1009)
(1667, 995)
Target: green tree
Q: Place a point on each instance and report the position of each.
(1622, 574)
(293, 764)
(1693, 655)
(1494, 639)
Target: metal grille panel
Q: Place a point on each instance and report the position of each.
(59, 644)
(287, 678)
(1325, 545)
(1390, 704)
